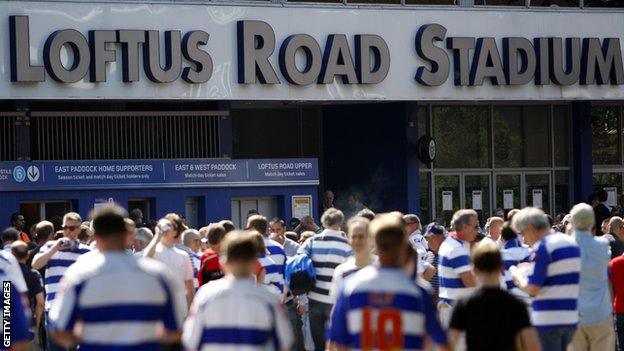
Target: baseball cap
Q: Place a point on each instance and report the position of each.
(434, 229)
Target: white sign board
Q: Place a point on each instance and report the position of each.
(612, 196)
(447, 200)
(397, 27)
(301, 206)
(508, 199)
(537, 198)
(477, 200)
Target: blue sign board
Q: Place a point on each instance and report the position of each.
(55, 175)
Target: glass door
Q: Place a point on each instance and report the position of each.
(537, 190)
(477, 194)
(446, 196)
(508, 192)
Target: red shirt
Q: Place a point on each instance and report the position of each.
(210, 267)
(616, 275)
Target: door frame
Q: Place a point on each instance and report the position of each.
(462, 186)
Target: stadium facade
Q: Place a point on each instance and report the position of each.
(214, 108)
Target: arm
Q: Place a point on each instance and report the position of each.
(41, 259)
(453, 337)
(468, 279)
(40, 303)
(429, 272)
(65, 338)
(190, 291)
(150, 250)
(529, 340)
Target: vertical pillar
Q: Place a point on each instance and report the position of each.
(582, 151)
(413, 175)
(22, 132)
(226, 143)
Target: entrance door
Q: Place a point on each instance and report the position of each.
(446, 196)
(508, 191)
(53, 211)
(537, 190)
(477, 194)
(518, 190)
(142, 204)
(462, 190)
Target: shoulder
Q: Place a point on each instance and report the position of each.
(180, 252)
(271, 242)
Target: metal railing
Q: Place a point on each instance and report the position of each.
(8, 135)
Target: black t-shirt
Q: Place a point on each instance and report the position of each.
(491, 319)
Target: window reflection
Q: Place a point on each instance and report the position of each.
(521, 136)
(605, 135)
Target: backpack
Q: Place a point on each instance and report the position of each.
(299, 274)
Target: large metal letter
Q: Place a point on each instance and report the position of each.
(202, 60)
(366, 44)
(460, 46)
(435, 56)
(52, 56)
(173, 56)
(256, 42)
(542, 75)
(337, 61)
(99, 54)
(514, 49)
(570, 74)
(19, 41)
(601, 63)
(130, 40)
(487, 63)
(313, 58)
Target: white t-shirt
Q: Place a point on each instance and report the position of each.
(342, 272)
(177, 261)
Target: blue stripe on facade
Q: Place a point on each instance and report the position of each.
(234, 336)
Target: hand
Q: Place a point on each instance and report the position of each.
(302, 309)
(518, 277)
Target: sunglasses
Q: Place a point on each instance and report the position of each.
(69, 227)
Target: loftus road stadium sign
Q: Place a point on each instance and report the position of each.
(119, 50)
(519, 60)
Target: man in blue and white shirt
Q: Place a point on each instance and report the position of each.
(233, 313)
(454, 271)
(327, 251)
(554, 282)
(384, 296)
(56, 256)
(275, 251)
(119, 301)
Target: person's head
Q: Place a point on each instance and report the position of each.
(18, 221)
(259, 239)
(71, 225)
(412, 223)
(329, 198)
(466, 224)
(359, 236)
(332, 219)
(531, 222)
(495, 226)
(277, 226)
(169, 231)
(258, 223)
(435, 235)
(305, 236)
(352, 200)
(191, 239)
(110, 228)
(602, 195)
(507, 233)
(307, 222)
(19, 249)
(499, 212)
(137, 216)
(216, 233)
(366, 213)
(604, 226)
(294, 223)
(44, 232)
(239, 252)
(178, 224)
(616, 227)
(142, 238)
(292, 236)
(593, 200)
(511, 214)
(85, 235)
(228, 225)
(390, 240)
(582, 217)
(10, 235)
(487, 262)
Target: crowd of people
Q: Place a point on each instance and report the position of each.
(373, 282)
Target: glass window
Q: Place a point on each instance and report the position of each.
(603, 3)
(374, 1)
(430, 2)
(477, 195)
(423, 128)
(425, 198)
(507, 192)
(605, 122)
(521, 136)
(500, 2)
(538, 191)
(561, 126)
(562, 192)
(462, 136)
(554, 3)
(608, 180)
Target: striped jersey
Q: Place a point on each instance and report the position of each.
(195, 263)
(235, 314)
(56, 267)
(557, 266)
(513, 253)
(273, 279)
(278, 258)
(453, 259)
(11, 269)
(122, 302)
(326, 250)
(383, 309)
